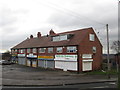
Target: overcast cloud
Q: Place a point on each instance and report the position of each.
(21, 18)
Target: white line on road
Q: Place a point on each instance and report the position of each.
(101, 87)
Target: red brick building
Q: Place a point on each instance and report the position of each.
(77, 50)
(117, 59)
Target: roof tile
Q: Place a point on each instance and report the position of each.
(45, 41)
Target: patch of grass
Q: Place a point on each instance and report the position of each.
(100, 72)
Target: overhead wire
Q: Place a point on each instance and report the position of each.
(75, 13)
(71, 13)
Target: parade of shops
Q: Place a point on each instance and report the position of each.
(76, 50)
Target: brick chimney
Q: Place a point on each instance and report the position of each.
(51, 32)
(38, 34)
(31, 36)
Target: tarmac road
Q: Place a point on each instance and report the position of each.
(102, 85)
(28, 77)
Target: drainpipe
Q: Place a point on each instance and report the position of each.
(78, 57)
(37, 51)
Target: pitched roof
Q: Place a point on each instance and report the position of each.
(45, 41)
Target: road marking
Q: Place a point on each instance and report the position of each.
(101, 87)
(112, 83)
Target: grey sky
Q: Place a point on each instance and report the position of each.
(20, 18)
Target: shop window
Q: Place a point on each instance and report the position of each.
(92, 37)
(94, 49)
(50, 50)
(59, 49)
(34, 50)
(71, 49)
(42, 50)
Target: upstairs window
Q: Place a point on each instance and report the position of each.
(92, 37)
(28, 50)
(59, 49)
(62, 37)
(42, 50)
(71, 49)
(34, 50)
(15, 50)
(56, 38)
(22, 51)
(19, 50)
(94, 49)
(50, 50)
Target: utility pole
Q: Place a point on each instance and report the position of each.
(108, 57)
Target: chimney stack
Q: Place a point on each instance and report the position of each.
(31, 36)
(38, 34)
(51, 32)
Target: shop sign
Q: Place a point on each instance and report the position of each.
(21, 55)
(66, 57)
(32, 56)
(87, 56)
(14, 54)
(46, 57)
(89, 60)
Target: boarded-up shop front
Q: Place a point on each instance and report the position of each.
(46, 61)
(87, 65)
(28, 62)
(66, 62)
(32, 60)
(34, 63)
(87, 62)
(21, 59)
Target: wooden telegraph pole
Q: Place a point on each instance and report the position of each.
(108, 57)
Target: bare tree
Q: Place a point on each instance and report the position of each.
(6, 55)
(116, 46)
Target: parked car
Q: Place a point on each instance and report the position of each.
(5, 62)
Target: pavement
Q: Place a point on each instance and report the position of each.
(19, 75)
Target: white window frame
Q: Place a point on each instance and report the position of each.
(50, 50)
(94, 49)
(22, 50)
(42, 50)
(59, 49)
(13, 51)
(91, 37)
(56, 38)
(28, 50)
(34, 50)
(69, 48)
(63, 37)
(87, 56)
(19, 51)
(60, 37)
